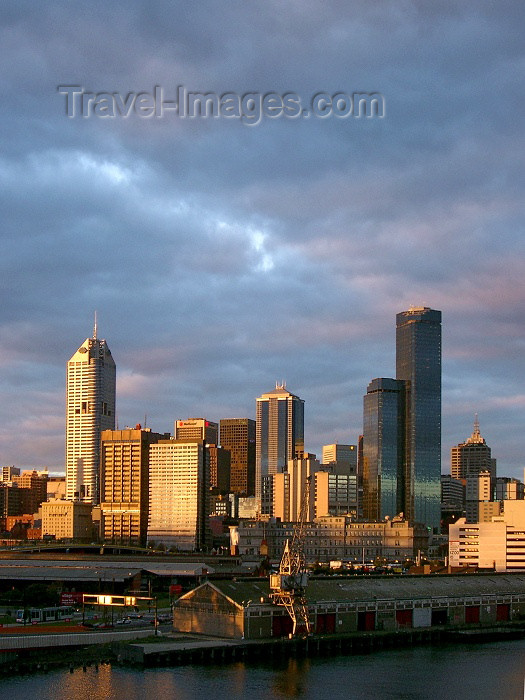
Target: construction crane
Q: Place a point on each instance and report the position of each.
(288, 587)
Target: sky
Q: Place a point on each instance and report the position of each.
(221, 255)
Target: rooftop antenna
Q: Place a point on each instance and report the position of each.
(476, 424)
(95, 327)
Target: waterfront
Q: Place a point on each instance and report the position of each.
(495, 670)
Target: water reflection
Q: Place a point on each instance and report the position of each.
(425, 673)
(292, 681)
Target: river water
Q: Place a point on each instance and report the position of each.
(465, 672)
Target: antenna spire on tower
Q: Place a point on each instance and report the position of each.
(476, 424)
(95, 327)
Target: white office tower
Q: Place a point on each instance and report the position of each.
(90, 409)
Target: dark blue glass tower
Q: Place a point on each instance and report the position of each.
(418, 363)
(383, 443)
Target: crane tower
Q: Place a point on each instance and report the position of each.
(288, 587)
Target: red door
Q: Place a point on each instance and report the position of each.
(282, 625)
(366, 621)
(404, 618)
(330, 623)
(503, 612)
(472, 613)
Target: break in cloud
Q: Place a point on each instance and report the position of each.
(221, 257)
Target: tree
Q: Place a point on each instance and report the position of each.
(38, 595)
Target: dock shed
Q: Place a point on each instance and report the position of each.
(242, 609)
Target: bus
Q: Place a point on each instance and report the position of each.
(34, 615)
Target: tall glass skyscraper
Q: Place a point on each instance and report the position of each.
(383, 443)
(90, 408)
(279, 433)
(418, 363)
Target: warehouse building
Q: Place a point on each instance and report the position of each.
(242, 609)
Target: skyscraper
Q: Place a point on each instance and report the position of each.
(472, 456)
(289, 488)
(383, 448)
(418, 363)
(179, 483)
(238, 436)
(124, 483)
(90, 408)
(279, 433)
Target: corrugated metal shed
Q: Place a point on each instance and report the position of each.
(95, 569)
(364, 588)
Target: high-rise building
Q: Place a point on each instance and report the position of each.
(178, 494)
(7, 473)
(335, 493)
(340, 454)
(509, 489)
(452, 492)
(418, 363)
(479, 498)
(220, 467)
(32, 486)
(9, 500)
(197, 429)
(289, 488)
(90, 409)
(472, 456)
(124, 484)
(279, 433)
(383, 448)
(238, 436)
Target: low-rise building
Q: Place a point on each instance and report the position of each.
(69, 520)
(242, 609)
(335, 537)
(498, 544)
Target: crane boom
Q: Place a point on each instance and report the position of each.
(288, 587)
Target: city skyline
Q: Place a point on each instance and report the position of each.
(222, 256)
(445, 449)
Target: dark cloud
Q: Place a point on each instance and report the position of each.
(222, 257)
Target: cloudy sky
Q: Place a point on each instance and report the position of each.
(223, 256)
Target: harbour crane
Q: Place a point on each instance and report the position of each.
(288, 587)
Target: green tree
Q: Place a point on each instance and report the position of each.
(38, 595)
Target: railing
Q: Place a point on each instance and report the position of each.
(64, 640)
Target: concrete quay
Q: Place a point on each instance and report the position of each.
(185, 649)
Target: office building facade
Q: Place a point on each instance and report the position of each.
(289, 488)
(238, 437)
(220, 467)
(340, 454)
(418, 363)
(497, 543)
(279, 433)
(178, 494)
(335, 493)
(124, 484)
(197, 429)
(90, 409)
(472, 456)
(383, 448)
(479, 498)
(69, 520)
